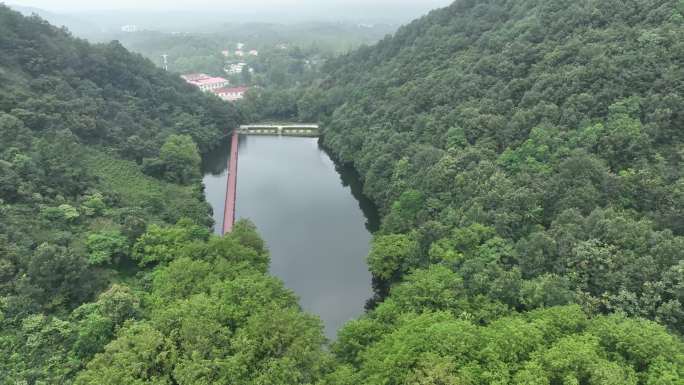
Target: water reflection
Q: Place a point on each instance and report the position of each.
(215, 170)
(312, 215)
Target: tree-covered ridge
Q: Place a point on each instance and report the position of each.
(558, 345)
(526, 157)
(534, 147)
(70, 205)
(208, 313)
(101, 93)
(97, 149)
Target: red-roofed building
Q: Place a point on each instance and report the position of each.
(205, 82)
(194, 77)
(231, 94)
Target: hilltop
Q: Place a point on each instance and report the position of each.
(526, 157)
(102, 216)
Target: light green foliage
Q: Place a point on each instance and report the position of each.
(215, 317)
(556, 345)
(391, 255)
(546, 290)
(162, 244)
(93, 205)
(68, 212)
(246, 233)
(105, 247)
(436, 288)
(140, 355)
(96, 323)
(161, 201)
(180, 158)
(575, 361)
(37, 342)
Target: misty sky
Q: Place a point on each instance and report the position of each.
(243, 5)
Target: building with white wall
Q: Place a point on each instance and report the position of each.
(231, 94)
(205, 82)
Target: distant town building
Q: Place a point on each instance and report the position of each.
(240, 46)
(225, 53)
(231, 94)
(205, 82)
(235, 68)
(194, 77)
(254, 52)
(129, 28)
(216, 85)
(239, 53)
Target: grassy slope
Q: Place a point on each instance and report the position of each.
(163, 201)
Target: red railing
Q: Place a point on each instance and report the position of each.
(231, 189)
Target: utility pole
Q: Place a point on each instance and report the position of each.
(166, 62)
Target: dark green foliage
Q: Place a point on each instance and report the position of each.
(181, 159)
(161, 244)
(70, 207)
(51, 349)
(68, 109)
(100, 93)
(554, 125)
(526, 157)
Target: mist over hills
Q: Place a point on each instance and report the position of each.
(526, 158)
(98, 24)
(77, 25)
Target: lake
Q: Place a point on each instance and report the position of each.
(312, 215)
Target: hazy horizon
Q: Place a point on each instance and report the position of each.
(78, 6)
(88, 19)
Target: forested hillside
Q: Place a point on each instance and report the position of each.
(526, 157)
(534, 147)
(79, 124)
(107, 266)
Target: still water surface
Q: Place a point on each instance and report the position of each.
(312, 215)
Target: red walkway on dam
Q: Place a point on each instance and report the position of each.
(231, 189)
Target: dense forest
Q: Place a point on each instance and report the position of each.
(526, 157)
(281, 64)
(534, 147)
(103, 221)
(288, 54)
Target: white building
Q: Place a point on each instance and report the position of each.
(205, 82)
(129, 28)
(231, 94)
(235, 68)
